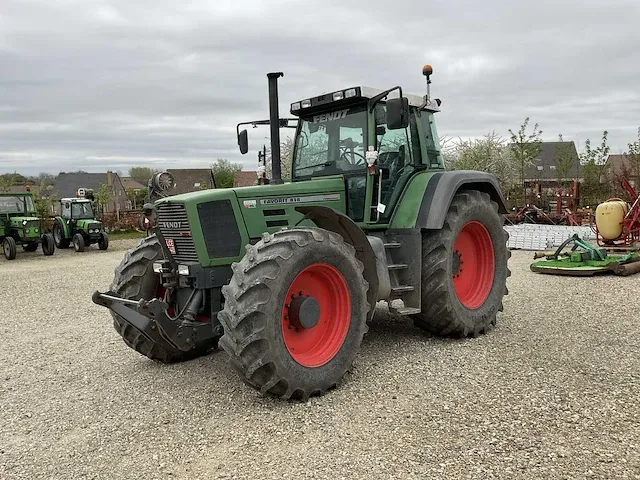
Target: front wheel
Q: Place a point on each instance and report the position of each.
(464, 268)
(103, 241)
(78, 243)
(9, 248)
(295, 312)
(48, 244)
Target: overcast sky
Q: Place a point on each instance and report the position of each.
(98, 84)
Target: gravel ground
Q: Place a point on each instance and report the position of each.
(552, 392)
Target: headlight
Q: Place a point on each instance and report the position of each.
(306, 103)
(295, 106)
(350, 93)
(183, 270)
(338, 96)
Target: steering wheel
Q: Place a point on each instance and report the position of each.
(356, 162)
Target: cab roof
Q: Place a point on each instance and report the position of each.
(356, 94)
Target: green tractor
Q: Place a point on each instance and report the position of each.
(284, 277)
(20, 225)
(77, 223)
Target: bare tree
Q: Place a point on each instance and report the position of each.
(525, 148)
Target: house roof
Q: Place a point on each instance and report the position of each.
(128, 182)
(67, 184)
(245, 178)
(191, 179)
(544, 167)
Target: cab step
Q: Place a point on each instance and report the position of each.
(397, 266)
(400, 289)
(407, 311)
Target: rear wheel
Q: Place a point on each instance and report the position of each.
(30, 247)
(103, 241)
(48, 244)
(464, 268)
(58, 236)
(135, 279)
(9, 248)
(78, 243)
(295, 312)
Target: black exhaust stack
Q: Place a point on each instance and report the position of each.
(274, 121)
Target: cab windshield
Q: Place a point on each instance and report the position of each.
(16, 204)
(331, 143)
(81, 210)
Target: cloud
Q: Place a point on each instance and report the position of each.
(99, 84)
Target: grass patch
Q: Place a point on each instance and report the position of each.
(125, 235)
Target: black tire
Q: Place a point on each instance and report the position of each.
(58, 236)
(48, 244)
(134, 279)
(30, 247)
(252, 318)
(443, 312)
(78, 242)
(9, 248)
(103, 241)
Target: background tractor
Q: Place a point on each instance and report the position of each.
(77, 223)
(20, 225)
(284, 277)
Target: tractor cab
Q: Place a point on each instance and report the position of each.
(376, 140)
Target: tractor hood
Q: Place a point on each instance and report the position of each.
(213, 226)
(17, 221)
(88, 223)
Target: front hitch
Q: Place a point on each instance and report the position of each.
(151, 318)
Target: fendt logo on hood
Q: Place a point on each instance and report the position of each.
(171, 224)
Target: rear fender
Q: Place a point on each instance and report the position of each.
(443, 186)
(334, 221)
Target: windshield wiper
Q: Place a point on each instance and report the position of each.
(323, 164)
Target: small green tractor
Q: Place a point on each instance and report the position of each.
(20, 225)
(285, 277)
(77, 223)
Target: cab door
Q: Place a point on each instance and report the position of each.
(399, 157)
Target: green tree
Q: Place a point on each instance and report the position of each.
(488, 154)
(224, 172)
(7, 180)
(564, 159)
(633, 159)
(102, 196)
(593, 162)
(142, 174)
(525, 148)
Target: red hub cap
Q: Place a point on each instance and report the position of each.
(473, 264)
(316, 314)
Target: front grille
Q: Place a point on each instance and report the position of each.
(174, 225)
(220, 229)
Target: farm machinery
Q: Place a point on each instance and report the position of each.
(77, 223)
(20, 225)
(617, 222)
(284, 277)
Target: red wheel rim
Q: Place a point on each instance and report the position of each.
(473, 264)
(315, 346)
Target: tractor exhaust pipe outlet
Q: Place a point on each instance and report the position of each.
(274, 122)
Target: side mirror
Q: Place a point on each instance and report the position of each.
(243, 142)
(397, 113)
